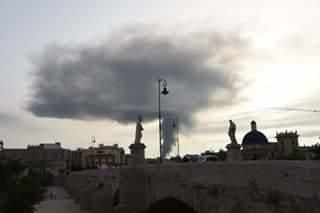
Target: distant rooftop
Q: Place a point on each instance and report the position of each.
(56, 145)
(287, 133)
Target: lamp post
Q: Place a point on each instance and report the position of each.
(175, 125)
(1, 145)
(161, 82)
(93, 141)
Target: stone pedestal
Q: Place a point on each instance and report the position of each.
(234, 152)
(137, 154)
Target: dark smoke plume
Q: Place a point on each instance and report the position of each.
(117, 78)
(169, 135)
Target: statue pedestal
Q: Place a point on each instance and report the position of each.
(234, 152)
(137, 154)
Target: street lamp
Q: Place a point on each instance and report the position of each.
(1, 145)
(161, 82)
(175, 125)
(93, 141)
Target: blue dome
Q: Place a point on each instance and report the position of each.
(254, 137)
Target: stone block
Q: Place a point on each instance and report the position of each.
(234, 152)
(137, 156)
(102, 200)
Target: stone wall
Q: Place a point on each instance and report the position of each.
(94, 189)
(222, 187)
(270, 186)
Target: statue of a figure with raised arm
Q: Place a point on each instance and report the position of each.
(232, 132)
(139, 130)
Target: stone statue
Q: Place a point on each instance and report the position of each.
(139, 130)
(234, 152)
(232, 132)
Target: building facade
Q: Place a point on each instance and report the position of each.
(50, 156)
(255, 145)
(101, 156)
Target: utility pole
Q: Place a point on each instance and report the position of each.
(161, 82)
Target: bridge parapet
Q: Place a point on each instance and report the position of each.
(94, 189)
(199, 184)
(225, 187)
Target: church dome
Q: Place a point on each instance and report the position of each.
(254, 136)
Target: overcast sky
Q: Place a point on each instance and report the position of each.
(75, 69)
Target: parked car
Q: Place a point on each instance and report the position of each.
(191, 158)
(208, 158)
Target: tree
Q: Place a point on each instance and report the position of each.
(295, 155)
(208, 152)
(316, 151)
(19, 191)
(222, 155)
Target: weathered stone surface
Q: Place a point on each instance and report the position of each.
(102, 200)
(234, 152)
(133, 188)
(62, 203)
(86, 195)
(137, 154)
(224, 187)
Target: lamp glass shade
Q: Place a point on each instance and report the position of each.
(165, 91)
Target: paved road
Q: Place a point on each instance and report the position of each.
(60, 202)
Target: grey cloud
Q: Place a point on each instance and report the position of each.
(7, 119)
(294, 120)
(311, 134)
(117, 78)
(299, 43)
(267, 120)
